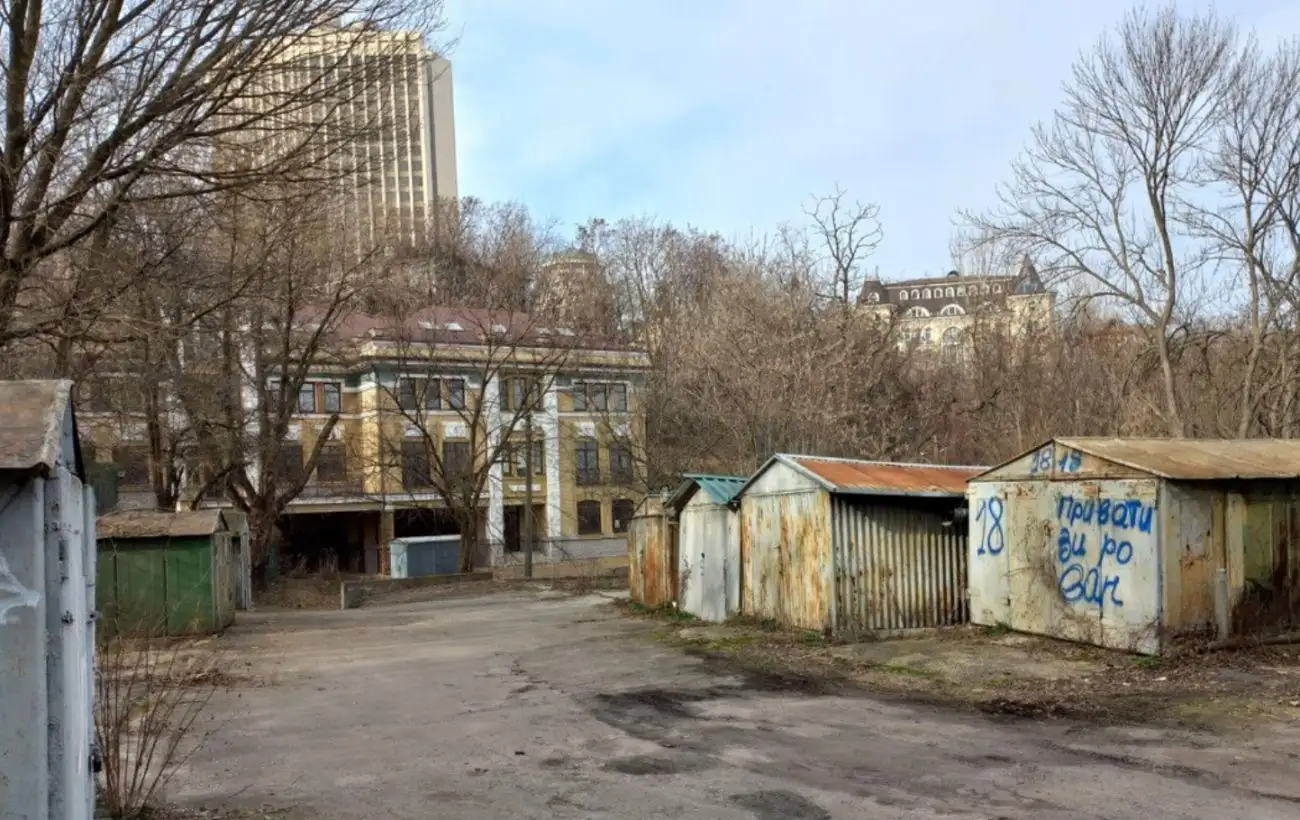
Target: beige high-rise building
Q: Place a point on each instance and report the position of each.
(392, 133)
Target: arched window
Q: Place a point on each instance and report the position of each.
(925, 336)
(925, 294)
(873, 297)
(916, 294)
(952, 310)
(589, 518)
(902, 296)
(952, 337)
(622, 509)
(997, 288)
(961, 290)
(949, 292)
(984, 289)
(917, 312)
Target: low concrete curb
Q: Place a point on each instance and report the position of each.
(353, 593)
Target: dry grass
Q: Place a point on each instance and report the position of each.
(151, 697)
(1002, 673)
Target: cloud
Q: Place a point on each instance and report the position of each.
(728, 114)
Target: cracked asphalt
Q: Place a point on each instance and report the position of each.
(542, 705)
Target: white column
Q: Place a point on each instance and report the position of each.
(550, 424)
(250, 392)
(496, 525)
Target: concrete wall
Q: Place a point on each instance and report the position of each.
(708, 547)
(1078, 560)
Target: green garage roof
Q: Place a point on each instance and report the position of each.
(721, 488)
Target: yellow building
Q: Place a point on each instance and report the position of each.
(939, 313)
(447, 394)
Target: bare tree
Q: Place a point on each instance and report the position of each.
(466, 385)
(296, 284)
(848, 232)
(108, 104)
(1099, 193)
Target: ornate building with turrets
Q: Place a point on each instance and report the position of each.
(941, 312)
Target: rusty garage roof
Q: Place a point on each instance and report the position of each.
(848, 476)
(31, 424)
(158, 524)
(1197, 459)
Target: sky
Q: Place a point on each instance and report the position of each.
(728, 115)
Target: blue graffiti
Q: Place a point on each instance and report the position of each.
(1078, 580)
(1042, 462)
(1089, 585)
(1120, 513)
(992, 538)
(1071, 461)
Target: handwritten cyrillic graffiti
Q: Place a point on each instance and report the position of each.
(1090, 575)
(1120, 513)
(988, 513)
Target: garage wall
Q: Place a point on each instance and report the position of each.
(1078, 560)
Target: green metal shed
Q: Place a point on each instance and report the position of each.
(166, 573)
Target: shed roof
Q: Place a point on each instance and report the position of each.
(1197, 459)
(847, 476)
(721, 488)
(158, 524)
(31, 424)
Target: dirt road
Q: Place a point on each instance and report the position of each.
(536, 705)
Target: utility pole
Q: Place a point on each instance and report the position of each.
(528, 486)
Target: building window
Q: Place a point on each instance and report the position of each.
(332, 397)
(288, 462)
(589, 518)
(133, 466)
(456, 462)
(925, 294)
(415, 465)
(620, 463)
(984, 289)
(997, 288)
(406, 395)
(514, 463)
(916, 294)
(949, 292)
(918, 312)
(622, 510)
(952, 310)
(902, 296)
(600, 396)
(307, 398)
(428, 394)
(331, 463)
(522, 393)
(874, 297)
(455, 393)
(961, 290)
(587, 461)
(952, 337)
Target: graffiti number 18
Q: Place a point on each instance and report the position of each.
(988, 514)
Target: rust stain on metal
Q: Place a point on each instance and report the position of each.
(651, 565)
(1198, 459)
(849, 476)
